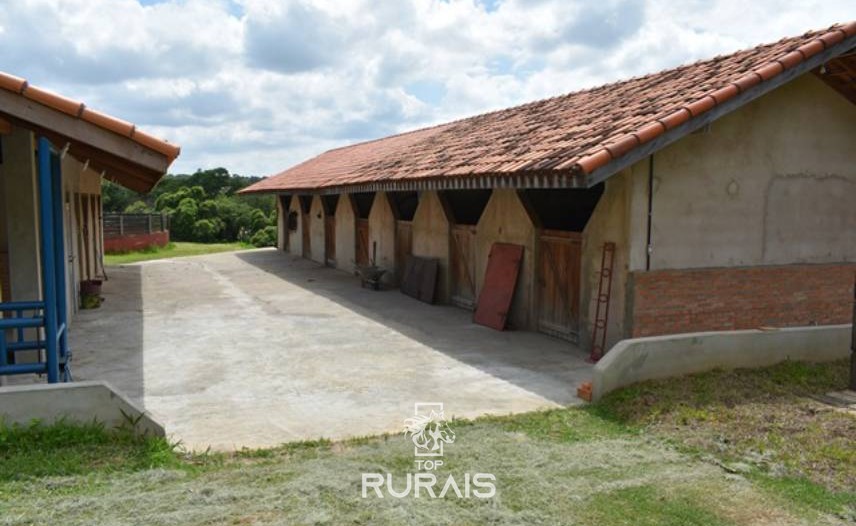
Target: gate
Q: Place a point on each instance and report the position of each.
(559, 283)
(403, 247)
(362, 253)
(463, 266)
(330, 240)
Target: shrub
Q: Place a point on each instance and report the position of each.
(265, 237)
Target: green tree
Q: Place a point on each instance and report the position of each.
(137, 207)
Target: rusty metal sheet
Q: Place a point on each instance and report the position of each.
(494, 302)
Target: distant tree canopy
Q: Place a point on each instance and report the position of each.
(202, 207)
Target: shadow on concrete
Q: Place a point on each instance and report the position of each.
(549, 367)
(107, 342)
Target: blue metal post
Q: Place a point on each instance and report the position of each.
(49, 264)
(59, 244)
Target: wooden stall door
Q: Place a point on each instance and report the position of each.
(559, 283)
(403, 247)
(330, 240)
(307, 238)
(362, 254)
(463, 266)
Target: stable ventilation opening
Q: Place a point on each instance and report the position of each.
(305, 203)
(466, 206)
(567, 209)
(363, 203)
(330, 202)
(404, 204)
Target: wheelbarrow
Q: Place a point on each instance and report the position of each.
(370, 275)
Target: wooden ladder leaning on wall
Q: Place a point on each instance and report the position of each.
(604, 291)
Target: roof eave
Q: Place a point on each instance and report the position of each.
(642, 151)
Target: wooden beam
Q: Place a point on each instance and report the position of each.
(5, 127)
(79, 130)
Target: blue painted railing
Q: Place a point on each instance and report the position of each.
(41, 326)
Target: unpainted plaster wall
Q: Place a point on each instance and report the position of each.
(382, 236)
(431, 239)
(295, 237)
(607, 223)
(505, 220)
(772, 183)
(345, 234)
(316, 230)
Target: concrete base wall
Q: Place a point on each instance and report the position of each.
(639, 359)
(80, 402)
(431, 239)
(382, 236)
(345, 234)
(505, 220)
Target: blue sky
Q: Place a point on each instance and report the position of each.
(259, 85)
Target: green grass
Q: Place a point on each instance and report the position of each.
(651, 454)
(173, 250)
(64, 449)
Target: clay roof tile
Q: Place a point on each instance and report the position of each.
(577, 132)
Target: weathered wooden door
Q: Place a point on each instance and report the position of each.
(330, 240)
(463, 266)
(362, 253)
(403, 246)
(559, 283)
(307, 238)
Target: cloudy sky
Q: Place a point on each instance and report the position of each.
(259, 85)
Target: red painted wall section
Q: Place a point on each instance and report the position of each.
(136, 242)
(722, 299)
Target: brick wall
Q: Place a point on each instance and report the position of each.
(677, 301)
(135, 242)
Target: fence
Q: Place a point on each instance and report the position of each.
(121, 225)
(127, 232)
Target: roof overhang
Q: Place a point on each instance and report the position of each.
(813, 63)
(122, 159)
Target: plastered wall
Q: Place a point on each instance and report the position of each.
(505, 220)
(607, 223)
(382, 235)
(772, 183)
(345, 234)
(431, 239)
(316, 230)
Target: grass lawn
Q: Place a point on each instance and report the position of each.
(722, 448)
(176, 249)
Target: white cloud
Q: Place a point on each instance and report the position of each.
(259, 85)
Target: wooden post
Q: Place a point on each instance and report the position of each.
(853, 342)
(149, 217)
(121, 225)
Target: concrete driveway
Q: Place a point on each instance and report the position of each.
(257, 348)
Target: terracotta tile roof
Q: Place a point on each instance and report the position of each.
(570, 134)
(79, 110)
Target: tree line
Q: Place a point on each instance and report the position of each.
(203, 207)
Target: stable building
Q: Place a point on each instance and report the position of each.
(54, 153)
(719, 195)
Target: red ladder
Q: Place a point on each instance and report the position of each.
(604, 291)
